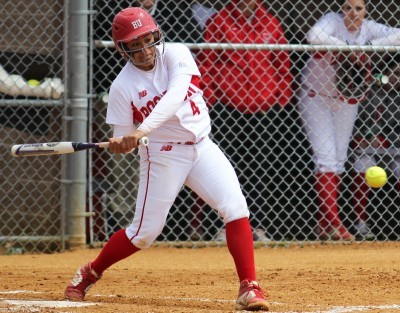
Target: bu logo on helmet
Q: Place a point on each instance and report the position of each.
(137, 23)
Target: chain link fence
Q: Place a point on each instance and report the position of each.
(31, 110)
(269, 149)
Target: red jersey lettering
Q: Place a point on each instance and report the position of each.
(137, 116)
(195, 108)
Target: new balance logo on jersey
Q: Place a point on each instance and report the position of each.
(137, 23)
(166, 148)
(142, 94)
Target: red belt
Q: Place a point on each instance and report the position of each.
(351, 100)
(187, 142)
(320, 54)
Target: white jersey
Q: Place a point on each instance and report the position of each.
(320, 70)
(131, 100)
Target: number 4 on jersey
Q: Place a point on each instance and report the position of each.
(195, 108)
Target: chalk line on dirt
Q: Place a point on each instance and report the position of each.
(48, 304)
(69, 304)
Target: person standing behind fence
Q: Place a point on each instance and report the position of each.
(202, 11)
(159, 89)
(328, 117)
(243, 86)
(377, 126)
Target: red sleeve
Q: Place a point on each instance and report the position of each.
(282, 63)
(207, 61)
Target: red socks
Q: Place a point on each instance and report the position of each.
(116, 249)
(360, 196)
(239, 239)
(326, 186)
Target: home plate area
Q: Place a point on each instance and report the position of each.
(24, 306)
(312, 278)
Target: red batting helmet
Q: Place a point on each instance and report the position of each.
(131, 23)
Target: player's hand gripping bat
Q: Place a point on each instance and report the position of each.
(63, 147)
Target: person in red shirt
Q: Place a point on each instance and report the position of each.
(246, 89)
(251, 81)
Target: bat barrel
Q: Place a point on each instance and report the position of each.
(49, 148)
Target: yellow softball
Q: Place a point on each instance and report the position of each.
(33, 82)
(375, 177)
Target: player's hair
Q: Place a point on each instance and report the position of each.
(342, 2)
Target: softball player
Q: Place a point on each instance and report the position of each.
(329, 118)
(158, 89)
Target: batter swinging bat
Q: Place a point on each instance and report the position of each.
(63, 147)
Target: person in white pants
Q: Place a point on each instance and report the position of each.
(328, 117)
(159, 89)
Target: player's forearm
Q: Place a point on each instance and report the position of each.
(168, 105)
(392, 38)
(318, 36)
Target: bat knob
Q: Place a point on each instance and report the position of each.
(144, 141)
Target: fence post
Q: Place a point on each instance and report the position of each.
(77, 122)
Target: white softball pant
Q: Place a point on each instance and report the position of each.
(165, 168)
(329, 126)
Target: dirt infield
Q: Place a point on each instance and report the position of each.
(357, 277)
